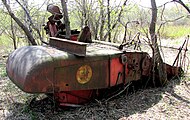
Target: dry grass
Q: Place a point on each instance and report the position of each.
(169, 102)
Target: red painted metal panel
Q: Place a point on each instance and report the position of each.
(74, 97)
(74, 37)
(116, 72)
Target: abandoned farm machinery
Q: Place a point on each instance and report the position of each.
(78, 70)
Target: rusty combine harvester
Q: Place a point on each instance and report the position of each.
(76, 72)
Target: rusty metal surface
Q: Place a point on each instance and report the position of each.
(173, 71)
(33, 69)
(66, 77)
(77, 48)
(44, 69)
(84, 49)
(26, 67)
(134, 65)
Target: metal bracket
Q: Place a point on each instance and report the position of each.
(73, 47)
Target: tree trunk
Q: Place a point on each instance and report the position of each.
(21, 25)
(116, 22)
(29, 21)
(94, 27)
(157, 59)
(109, 20)
(84, 13)
(102, 19)
(13, 34)
(66, 19)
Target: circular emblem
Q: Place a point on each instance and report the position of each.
(84, 74)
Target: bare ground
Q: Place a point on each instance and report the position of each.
(169, 102)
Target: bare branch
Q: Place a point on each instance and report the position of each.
(24, 28)
(182, 3)
(157, 59)
(31, 22)
(173, 20)
(118, 19)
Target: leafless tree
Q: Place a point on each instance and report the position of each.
(95, 15)
(66, 18)
(13, 34)
(102, 18)
(116, 22)
(109, 21)
(8, 27)
(84, 13)
(28, 19)
(157, 59)
(22, 26)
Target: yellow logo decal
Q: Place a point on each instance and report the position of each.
(84, 74)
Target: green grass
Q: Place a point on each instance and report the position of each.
(5, 40)
(175, 32)
(7, 45)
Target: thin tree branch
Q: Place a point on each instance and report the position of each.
(118, 19)
(182, 3)
(24, 28)
(31, 22)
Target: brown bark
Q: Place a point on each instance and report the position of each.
(157, 59)
(13, 35)
(109, 20)
(30, 21)
(84, 13)
(66, 19)
(118, 20)
(94, 24)
(20, 24)
(102, 19)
